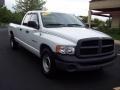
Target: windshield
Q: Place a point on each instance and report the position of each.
(51, 20)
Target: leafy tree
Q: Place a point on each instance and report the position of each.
(5, 15)
(97, 22)
(26, 5)
(16, 17)
(94, 22)
(108, 23)
(84, 18)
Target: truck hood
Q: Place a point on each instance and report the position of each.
(74, 34)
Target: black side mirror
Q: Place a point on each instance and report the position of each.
(86, 25)
(32, 24)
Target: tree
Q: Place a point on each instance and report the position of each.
(23, 6)
(5, 15)
(108, 23)
(94, 22)
(84, 18)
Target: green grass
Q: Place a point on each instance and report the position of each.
(115, 33)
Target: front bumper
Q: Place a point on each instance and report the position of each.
(72, 63)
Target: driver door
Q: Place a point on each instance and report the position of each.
(32, 34)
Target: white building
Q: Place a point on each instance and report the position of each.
(106, 8)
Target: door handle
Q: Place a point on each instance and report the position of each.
(27, 31)
(34, 41)
(20, 29)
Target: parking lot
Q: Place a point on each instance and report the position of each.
(20, 70)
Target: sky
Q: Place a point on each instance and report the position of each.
(76, 7)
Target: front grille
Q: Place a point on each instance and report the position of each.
(88, 43)
(107, 49)
(88, 51)
(107, 42)
(94, 47)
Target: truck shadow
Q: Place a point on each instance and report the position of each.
(80, 76)
(65, 76)
(81, 79)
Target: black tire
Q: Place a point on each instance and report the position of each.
(48, 63)
(13, 43)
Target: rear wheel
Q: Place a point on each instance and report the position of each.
(48, 63)
(13, 43)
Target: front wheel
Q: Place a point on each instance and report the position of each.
(48, 63)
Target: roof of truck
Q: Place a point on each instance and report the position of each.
(37, 11)
(34, 11)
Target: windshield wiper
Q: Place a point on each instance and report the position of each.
(74, 25)
(55, 25)
(62, 25)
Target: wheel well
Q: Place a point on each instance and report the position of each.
(11, 33)
(43, 46)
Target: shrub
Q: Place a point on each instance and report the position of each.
(115, 33)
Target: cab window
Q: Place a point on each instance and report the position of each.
(27, 19)
(34, 18)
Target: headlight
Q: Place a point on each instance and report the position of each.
(65, 49)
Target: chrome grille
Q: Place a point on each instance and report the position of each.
(95, 47)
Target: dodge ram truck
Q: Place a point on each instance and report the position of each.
(62, 41)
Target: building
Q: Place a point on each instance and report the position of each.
(2, 2)
(105, 8)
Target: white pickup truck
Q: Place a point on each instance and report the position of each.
(62, 42)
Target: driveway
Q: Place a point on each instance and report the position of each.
(20, 70)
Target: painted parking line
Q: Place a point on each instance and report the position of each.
(118, 54)
(116, 88)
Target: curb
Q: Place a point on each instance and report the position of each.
(3, 29)
(117, 42)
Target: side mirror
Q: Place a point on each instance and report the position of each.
(32, 24)
(86, 25)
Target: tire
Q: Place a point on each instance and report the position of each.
(13, 43)
(48, 63)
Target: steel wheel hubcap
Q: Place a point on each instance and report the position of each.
(12, 43)
(46, 63)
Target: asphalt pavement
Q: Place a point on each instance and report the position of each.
(20, 70)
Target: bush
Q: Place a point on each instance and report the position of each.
(115, 33)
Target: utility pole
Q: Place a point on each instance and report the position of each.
(89, 18)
